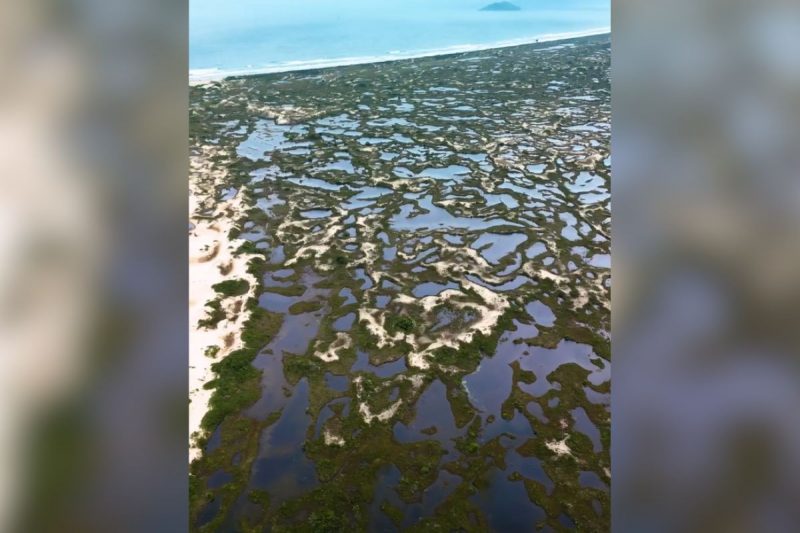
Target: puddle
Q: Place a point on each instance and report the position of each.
(433, 496)
(340, 165)
(282, 467)
(517, 428)
(431, 288)
(385, 370)
(587, 427)
(214, 441)
(337, 383)
(504, 199)
(345, 322)
(347, 294)
(543, 361)
(447, 173)
(388, 478)
(593, 198)
(327, 413)
(586, 182)
(590, 479)
(267, 137)
(432, 410)
(208, 512)
(506, 504)
(277, 303)
(437, 217)
(540, 313)
(316, 213)
(315, 183)
(601, 261)
(529, 467)
(499, 245)
(218, 479)
(510, 285)
(490, 384)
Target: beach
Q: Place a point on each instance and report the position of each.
(206, 75)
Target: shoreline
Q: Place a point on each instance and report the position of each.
(209, 75)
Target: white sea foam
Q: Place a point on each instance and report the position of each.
(206, 75)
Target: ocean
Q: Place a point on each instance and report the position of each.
(251, 36)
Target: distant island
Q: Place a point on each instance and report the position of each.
(501, 6)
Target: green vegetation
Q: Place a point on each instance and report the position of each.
(400, 323)
(326, 521)
(375, 257)
(232, 287)
(299, 308)
(293, 290)
(211, 351)
(215, 314)
(299, 366)
(260, 497)
(394, 514)
(237, 382)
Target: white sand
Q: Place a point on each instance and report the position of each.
(489, 312)
(383, 416)
(340, 343)
(210, 249)
(559, 447)
(333, 440)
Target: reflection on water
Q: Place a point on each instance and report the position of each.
(490, 384)
(385, 370)
(591, 479)
(543, 362)
(506, 504)
(432, 411)
(541, 313)
(585, 426)
(434, 495)
(432, 217)
(494, 246)
(281, 466)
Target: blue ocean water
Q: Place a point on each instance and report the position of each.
(238, 36)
